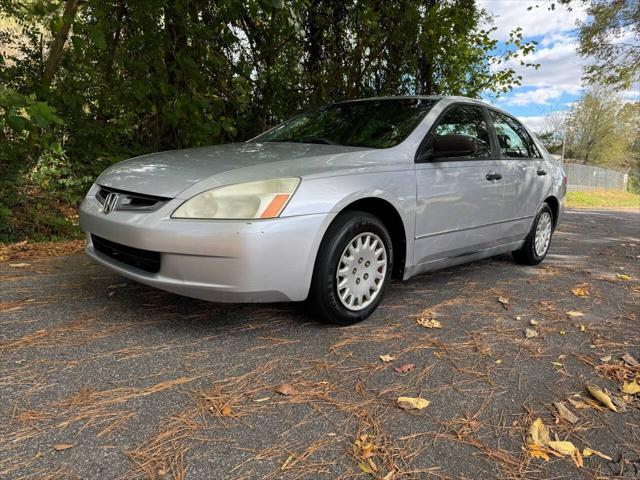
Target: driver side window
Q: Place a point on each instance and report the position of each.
(469, 121)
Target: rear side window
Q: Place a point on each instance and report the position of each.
(466, 120)
(513, 139)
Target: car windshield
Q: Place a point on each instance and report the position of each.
(380, 123)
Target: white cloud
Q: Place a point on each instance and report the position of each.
(509, 14)
(537, 123)
(560, 69)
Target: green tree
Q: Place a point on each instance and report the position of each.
(610, 38)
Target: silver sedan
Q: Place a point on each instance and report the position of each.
(330, 205)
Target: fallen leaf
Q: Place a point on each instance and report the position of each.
(564, 448)
(565, 413)
(605, 359)
(601, 397)
(387, 358)
(587, 452)
(562, 332)
(429, 323)
(62, 446)
(366, 469)
(390, 475)
(285, 389)
(630, 360)
(19, 265)
(287, 462)
(533, 322)
(623, 276)
(631, 388)
(538, 451)
(498, 361)
(538, 433)
(411, 403)
(407, 367)
(582, 328)
(226, 411)
(504, 301)
(530, 333)
(580, 290)
(574, 313)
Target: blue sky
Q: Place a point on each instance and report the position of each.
(557, 83)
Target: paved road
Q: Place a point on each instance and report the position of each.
(104, 378)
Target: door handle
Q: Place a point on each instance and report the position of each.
(541, 172)
(493, 176)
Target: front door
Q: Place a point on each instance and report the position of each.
(458, 198)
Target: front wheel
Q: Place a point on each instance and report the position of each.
(537, 243)
(352, 270)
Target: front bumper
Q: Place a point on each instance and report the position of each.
(217, 260)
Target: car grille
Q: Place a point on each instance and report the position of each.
(130, 201)
(136, 257)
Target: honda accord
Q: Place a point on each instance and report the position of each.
(330, 205)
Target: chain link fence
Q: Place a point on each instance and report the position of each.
(588, 177)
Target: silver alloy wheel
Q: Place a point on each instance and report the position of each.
(361, 271)
(543, 234)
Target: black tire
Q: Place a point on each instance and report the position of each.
(324, 300)
(527, 255)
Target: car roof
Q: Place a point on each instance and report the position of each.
(419, 97)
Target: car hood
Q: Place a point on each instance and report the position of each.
(169, 173)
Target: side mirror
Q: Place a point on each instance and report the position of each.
(453, 146)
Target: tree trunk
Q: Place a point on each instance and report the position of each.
(55, 53)
(51, 65)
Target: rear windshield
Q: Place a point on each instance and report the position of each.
(371, 123)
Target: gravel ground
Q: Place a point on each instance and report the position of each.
(104, 378)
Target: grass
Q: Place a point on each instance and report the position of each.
(603, 198)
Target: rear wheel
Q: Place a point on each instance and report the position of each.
(537, 243)
(352, 270)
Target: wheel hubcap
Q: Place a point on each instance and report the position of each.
(543, 234)
(361, 271)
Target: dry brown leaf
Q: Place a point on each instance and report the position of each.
(587, 452)
(226, 411)
(530, 333)
(387, 358)
(564, 448)
(623, 276)
(601, 397)
(407, 367)
(538, 433)
(62, 446)
(574, 314)
(538, 451)
(631, 388)
(580, 290)
(533, 322)
(287, 462)
(504, 301)
(630, 360)
(565, 413)
(286, 389)
(605, 359)
(429, 323)
(412, 403)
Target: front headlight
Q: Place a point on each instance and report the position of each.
(261, 199)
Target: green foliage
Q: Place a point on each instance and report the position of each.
(610, 39)
(150, 75)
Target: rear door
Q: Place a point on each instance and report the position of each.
(458, 199)
(524, 176)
